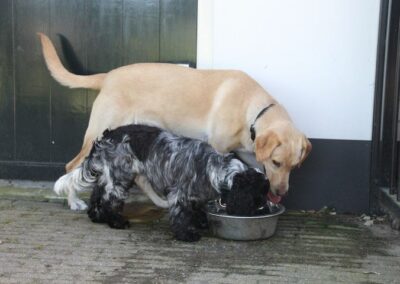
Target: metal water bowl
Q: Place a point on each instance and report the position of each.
(242, 228)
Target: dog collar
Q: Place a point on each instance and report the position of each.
(252, 130)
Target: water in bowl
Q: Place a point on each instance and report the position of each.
(216, 207)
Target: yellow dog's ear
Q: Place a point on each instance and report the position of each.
(265, 144)
(305, 150)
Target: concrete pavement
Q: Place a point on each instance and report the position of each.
(44, 242)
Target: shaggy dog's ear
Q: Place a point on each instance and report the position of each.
(247, 194)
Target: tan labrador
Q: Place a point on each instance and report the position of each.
(218, 106)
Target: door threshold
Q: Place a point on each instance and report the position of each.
(390, 206)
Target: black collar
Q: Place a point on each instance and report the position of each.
(252, 130)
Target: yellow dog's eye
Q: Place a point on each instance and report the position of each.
(276, 163)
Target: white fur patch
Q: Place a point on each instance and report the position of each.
(68, 184)
(61, 185)
(77, 205)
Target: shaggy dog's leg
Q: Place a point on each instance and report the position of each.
(95, 211)
(112, 209)
(199, 217)
(106, 208)
(181, 222)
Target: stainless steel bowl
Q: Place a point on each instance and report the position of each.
(242, 228)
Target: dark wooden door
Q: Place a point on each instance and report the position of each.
(385, 165)
(42, 123)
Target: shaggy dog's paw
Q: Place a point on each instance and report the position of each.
(201, 222)
(95, 215)
(78, 205)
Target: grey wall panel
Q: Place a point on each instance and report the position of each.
(31, 82)
(6, 82)
(336, 174)
(104, 34)
(104, 38)
(178, 28)
(68, 106)
(141, 31)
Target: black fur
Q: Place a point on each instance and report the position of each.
(144, 137)
(106, 210)
(247, 195)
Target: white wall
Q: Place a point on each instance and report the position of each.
(317, 57)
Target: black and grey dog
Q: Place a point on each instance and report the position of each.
(186, 172)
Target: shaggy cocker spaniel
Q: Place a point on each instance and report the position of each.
(176, 172)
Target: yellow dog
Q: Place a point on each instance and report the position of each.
(222, 107)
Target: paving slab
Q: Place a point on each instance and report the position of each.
(45, 242)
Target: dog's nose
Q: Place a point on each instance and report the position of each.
(282, 191)
(282, 194)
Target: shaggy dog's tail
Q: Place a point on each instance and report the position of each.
(62, 75)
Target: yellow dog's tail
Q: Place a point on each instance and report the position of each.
(62, 75)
